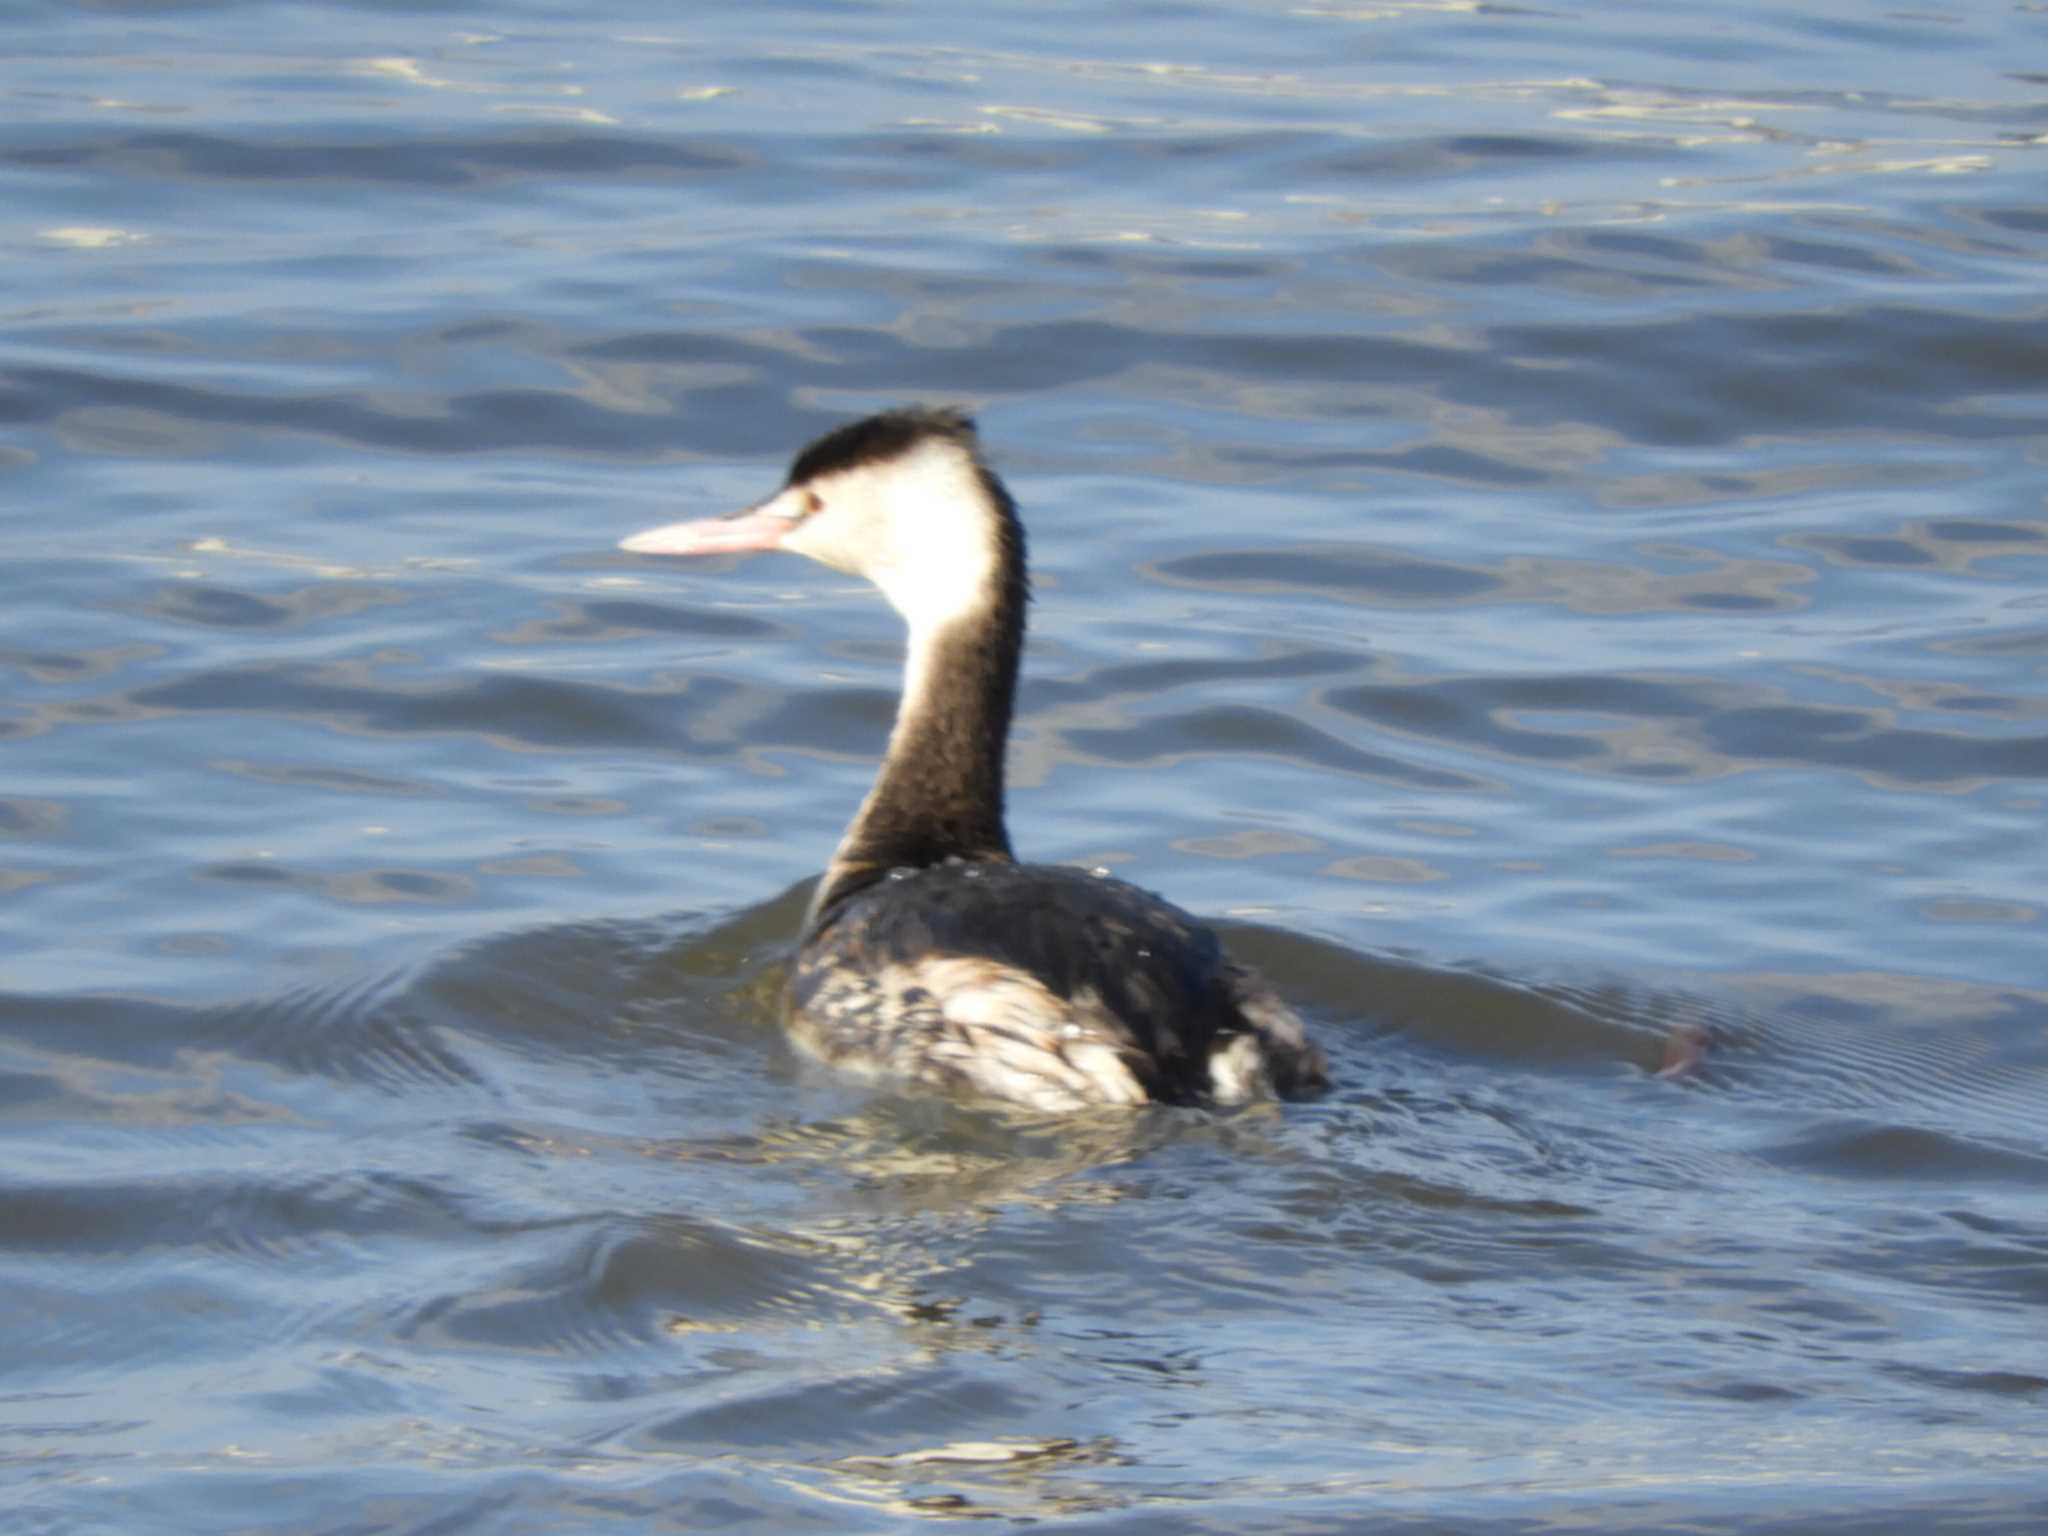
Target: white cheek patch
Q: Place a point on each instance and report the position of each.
(918, 527)
(836, 534)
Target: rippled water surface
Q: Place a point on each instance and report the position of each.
(1538, 528)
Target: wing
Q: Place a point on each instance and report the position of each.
(1034, 982)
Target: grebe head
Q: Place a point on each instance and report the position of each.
(902, 499)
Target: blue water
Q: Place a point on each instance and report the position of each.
(1538, 529)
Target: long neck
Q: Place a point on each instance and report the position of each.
(939, 794)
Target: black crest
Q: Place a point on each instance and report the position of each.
(877, 439)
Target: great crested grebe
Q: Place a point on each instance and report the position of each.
(929, 955)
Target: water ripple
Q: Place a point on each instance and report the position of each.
(453, 160)
(1536, 525)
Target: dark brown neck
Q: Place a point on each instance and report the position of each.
(939, 794)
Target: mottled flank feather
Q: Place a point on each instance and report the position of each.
(1286, 1062)
(1042, 984)
(964, 1023)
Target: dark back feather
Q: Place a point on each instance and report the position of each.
(1159, 972)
